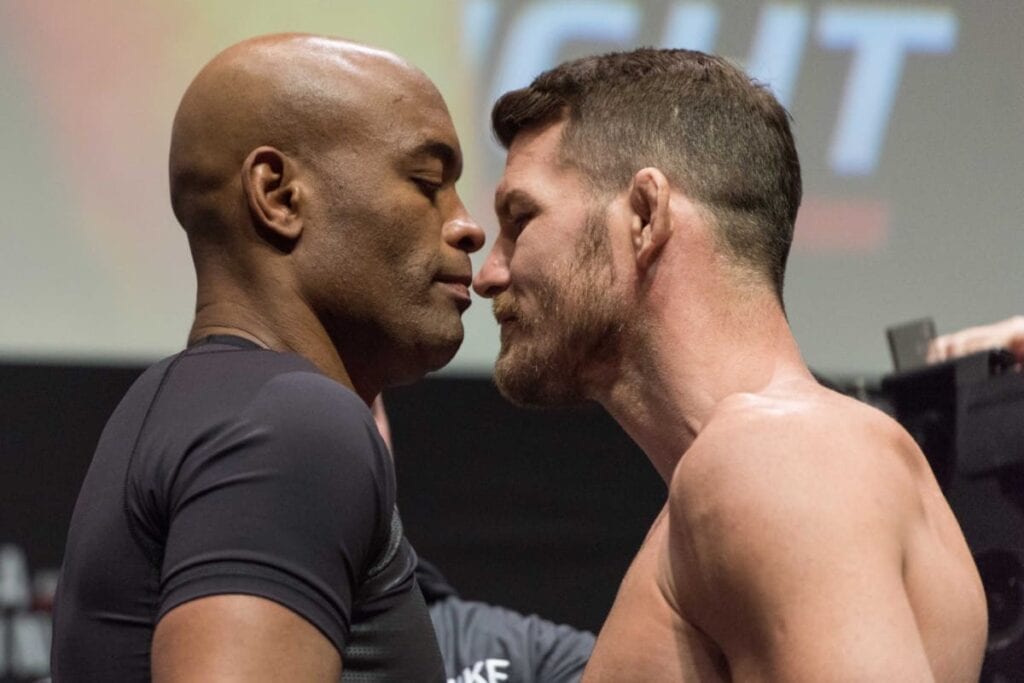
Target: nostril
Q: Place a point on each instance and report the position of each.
(479, 286)
(489, 281)
(464, 235)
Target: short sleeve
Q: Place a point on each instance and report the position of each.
(287, 500)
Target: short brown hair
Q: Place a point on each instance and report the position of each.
(720, 136)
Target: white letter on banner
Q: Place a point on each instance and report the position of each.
(479, 24)
(535, 39)
(880, 38)
(691, 25)
(778, 49)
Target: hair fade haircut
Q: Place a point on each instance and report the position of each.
(721, 137)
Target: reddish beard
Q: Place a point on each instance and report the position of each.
(570, 322)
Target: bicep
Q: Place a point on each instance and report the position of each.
(240, 638)
(861, 630)
(795, 583)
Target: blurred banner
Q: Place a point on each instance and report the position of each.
(909, 118)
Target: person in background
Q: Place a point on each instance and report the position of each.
(482, 643)
(1006, 334)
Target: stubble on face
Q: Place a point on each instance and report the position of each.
(375, 273)
(386, 304)
(553, 351)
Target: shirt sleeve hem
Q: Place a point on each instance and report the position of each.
(279, 589)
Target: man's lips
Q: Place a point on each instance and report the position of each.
(458, 287)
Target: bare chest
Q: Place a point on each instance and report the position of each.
(645, 638)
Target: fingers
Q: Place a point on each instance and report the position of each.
(1006, 334)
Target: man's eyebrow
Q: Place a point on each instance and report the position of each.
(449, 157)
(503, 201)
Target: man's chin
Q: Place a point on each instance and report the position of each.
(530, 383)
(443, 349)
(416, 358)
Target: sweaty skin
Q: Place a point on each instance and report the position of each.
(315, 179)
(804, 537)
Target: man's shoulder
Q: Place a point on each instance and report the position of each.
(816, 445)
(266, 387)
(298, 391)
(311, 409)
(259, 406)
(774, 486)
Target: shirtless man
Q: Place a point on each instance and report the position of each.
(646, 213)
(238, 520)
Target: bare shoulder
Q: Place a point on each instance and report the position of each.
(804, 512)
(813, 466)
(812, 442)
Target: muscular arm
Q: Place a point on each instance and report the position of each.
(228, 638)
(787, 552)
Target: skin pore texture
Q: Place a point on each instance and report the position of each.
(804, 537)
(315, 180)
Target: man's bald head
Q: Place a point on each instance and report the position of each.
(300, 94)
(315, 179)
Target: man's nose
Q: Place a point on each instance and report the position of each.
(462, 232)
(493, 277)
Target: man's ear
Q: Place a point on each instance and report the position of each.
(273, 194)
(651, 224)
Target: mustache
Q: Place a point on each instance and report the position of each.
(504, 306)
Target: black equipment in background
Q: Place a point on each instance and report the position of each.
(967, 415)
(908, 343)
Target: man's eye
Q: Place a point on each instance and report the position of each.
(517, 223)
(429, 188)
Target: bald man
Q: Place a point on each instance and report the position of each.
(238, 520)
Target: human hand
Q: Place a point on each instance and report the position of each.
(1007, 334)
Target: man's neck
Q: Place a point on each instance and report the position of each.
(274, 323)
(690, 361)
